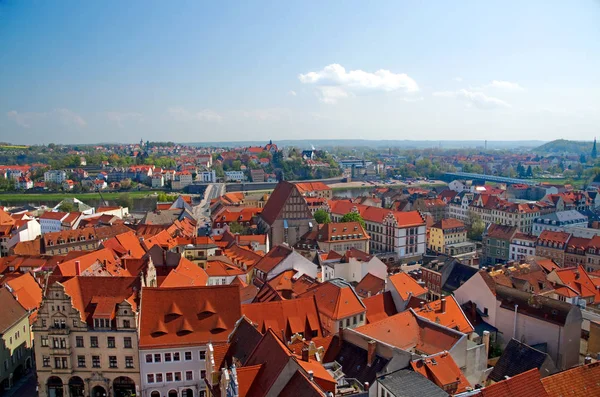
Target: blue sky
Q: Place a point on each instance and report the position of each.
(116, 71)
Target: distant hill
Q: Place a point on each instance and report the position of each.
(407, 144)
(561, 146)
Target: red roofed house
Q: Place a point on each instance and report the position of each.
(286, 216)
(581, 381)
(52, 221)
(552, 245)
(401, 234)
(314, 189)
(339, 305)
(442, 370)
(86, 326)
(403, 287)
(286, 318)
(176, 324)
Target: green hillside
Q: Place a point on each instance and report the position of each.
(560, 146)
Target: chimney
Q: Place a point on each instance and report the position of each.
(78, 268)
(371, 347)
(422, 304)
(367, 386)
(305, 354)
(587, 360)
(486, 342)
(311, 375)
(443, 305)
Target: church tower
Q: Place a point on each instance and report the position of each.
(594, 151)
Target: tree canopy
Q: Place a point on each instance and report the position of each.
(353, 217)
(322, 216)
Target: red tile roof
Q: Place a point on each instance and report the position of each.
(27, 290)
(186, 274)
(380, 307)
(526, 384)
(554, 237)
(245, 378)
(57, 216)
(277, 201)
(307, 187)
(377, 214)
(580, 381)
(349, 231)
(274, 355)
(406, 286)
(449, 223)
(217, 268)
(187, 316)
(442, 370)
(300, 386)
(370, 285)
(417, 335)
(336, 299)
(273, 258)
(98, 296)
(286, 317)
(453, 317)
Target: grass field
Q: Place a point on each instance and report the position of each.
(13, 147)
(39, 197)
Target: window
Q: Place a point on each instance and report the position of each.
(93, 341)
(202, 374)
(362, 317)
(189, 375)
(95, 361)
(46, 361)
(169, 376)
(57, 363)
(177, 376)
(354, 320)
(128, 361)
(341, 325)
(44, 322)
(112, 361)
(150, 378)
(111, 342)
(167, 357)
(176, 356)
(202, 355)
(44, 341)
(188, 356)
(127, 342)
(79, 341)
(159, 378)
(157, 357)
(126, 324)
(347, 322)
(81, 361)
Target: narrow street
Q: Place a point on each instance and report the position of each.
(25, 387)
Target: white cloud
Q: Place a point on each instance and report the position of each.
(123, 117)
(334, 82)
(181, 114)
(292, 93)
(505, 86)
(64, 116)
(474, 98)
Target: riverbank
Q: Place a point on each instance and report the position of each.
(16, 198)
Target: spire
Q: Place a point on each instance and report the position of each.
(594, 151)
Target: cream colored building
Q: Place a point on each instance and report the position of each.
(445, 233)
(86, 338)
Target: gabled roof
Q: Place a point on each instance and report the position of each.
(336, 299)
(379, 307)
(286, 317)
(331, 232)
(526, 384)
(273, 258)
(501, 232)
(442, 370)
(580, 381)
(406, 286)
(27, 290)
(449, 223)
(417, 335)
(517, 358)
(453, 317)
(126, 243)
(377, 214)
(277, 201)
(370, 285)
(554, 237)
(217, 268)
(274, 355)
(100, 295)
(12, 311)
(300, 386)
(186, 274)
(103, 255)
(206, 314)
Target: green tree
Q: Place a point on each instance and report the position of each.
(529, 173)
(235, 227)
(353, 217)
(124, 200)
(476, 228)
(322, 216)
(66, 207)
